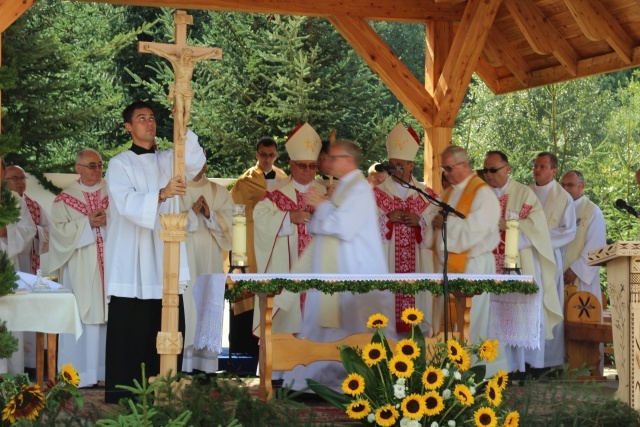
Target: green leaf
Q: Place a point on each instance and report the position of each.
(336, 399)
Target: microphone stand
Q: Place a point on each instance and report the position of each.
(445, 210)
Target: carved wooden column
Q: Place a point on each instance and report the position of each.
(169, 339)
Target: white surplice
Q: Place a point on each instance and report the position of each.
(561, 221)
(207, 238)
(19, 236)
(40, 243)
(477, 235)
(353, 221)
(134, 252)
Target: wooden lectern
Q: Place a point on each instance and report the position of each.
(622, 260)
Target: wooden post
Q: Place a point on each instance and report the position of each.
(182, 58)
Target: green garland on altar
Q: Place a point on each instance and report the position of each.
(468, 287)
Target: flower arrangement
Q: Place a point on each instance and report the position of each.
(22, 400)
(414, 385)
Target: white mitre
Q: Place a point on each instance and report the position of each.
(403, 143)
(303, 143)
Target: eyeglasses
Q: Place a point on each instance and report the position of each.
(339, 156)
(18, 178)
(448, 169)
(92, 166)
(304, 166)
(570, 184)
(493, 170)
(267, 155)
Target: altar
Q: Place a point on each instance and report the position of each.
(516, 302)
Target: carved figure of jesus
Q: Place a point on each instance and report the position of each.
(181, 93)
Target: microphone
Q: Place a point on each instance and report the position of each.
(623, 206)
(387, 168)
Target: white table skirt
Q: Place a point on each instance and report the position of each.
(515, 318)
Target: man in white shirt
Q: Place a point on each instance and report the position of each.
(561, 222)
(29, 259)
(141, 185)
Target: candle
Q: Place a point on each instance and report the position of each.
(238, 236)
(511, 240)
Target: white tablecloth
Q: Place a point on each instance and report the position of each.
(208, 293)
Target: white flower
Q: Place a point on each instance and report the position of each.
(472, 390)
(411, 423)
(451, 423)
(404, 421)
(445, 372)
(371, 417)
(457, 375)
(401, 381)
(446, 393)
(434, 424)
(399, 391)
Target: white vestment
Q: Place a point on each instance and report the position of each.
(278, 245)
(29, 258)
(477, 235)
(351, 218)
(561, 221)
(535, 258)
(207, 238)
(591, 234)
(407, 249)
(18, 239)
(134, 252)
(76, 256)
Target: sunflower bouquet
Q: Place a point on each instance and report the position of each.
(415, 384)
(20, 399)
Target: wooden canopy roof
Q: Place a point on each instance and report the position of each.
(511, 44)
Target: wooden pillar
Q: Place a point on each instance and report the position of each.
(439, 36)
(169, 339)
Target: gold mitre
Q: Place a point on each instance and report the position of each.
(303, 143)
(403, 143)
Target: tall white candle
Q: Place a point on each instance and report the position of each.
(239, 236)
(511, 240)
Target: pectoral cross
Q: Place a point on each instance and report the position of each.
(182, 58)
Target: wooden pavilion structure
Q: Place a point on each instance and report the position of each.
(511, 44)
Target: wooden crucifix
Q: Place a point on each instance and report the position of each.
(182, 58)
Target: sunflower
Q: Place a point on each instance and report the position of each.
(387, 415)
(501, 379)
(432, 378)
(462, 360)
(412, 316)
(512, 419)
(493, 394)
(485, 417)
(377, 321)
(358, 409)
(69, 375)
(488, 350)
(413, 406)
(463, 394)
(434, 403)
(409, 348)
(353, 385)
(401, 366)
(25, 404)
(454, 348)
(373, 353)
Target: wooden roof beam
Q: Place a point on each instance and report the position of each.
(586, 67)
(541, 34)
(498, 47)
(488, 74)
(387, 66)
(597, 24)
(464, 54)
(10, 10)
(379, 10)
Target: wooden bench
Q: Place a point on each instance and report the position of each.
(584, 330)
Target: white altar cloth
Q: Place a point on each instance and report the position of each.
(208, 293)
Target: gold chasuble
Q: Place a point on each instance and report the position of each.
(458, 261)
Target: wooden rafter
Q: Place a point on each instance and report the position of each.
(381, 10)
(597, 24)
(488, 74)
(387, 65)
(497, 47)
(541, 35)
(466, 48)
(10, 10)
